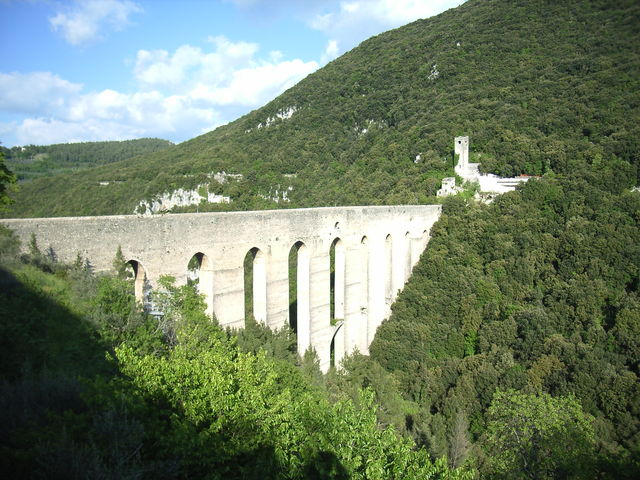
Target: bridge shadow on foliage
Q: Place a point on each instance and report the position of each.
(44, 351)
(66, 411)
(324, 466)
(262, 463)
(38, 334)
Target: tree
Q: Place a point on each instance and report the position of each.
(459, 444)
(538, 436)
(7, 179)
(9, 245)
(120, 265)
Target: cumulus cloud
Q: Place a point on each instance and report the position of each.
(133, 116)
(85, 20)
(230, 74)
(41, 92)
(331, 51)
(179, 94)
(346, 23)
(350, 22)
(251, 86)
(187, 63)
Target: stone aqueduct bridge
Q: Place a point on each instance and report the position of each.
(375, 250)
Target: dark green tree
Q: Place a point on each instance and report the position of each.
(7, 180)
(120, 265)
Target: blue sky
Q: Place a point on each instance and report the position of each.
(84, 70)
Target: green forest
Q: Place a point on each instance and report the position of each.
(536, 293)
(513, 352)
(34, 161)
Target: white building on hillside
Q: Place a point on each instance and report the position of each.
(470, 172)
(448, 187)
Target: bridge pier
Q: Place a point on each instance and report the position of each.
(379, 285)
(278, 287)
(356, 269)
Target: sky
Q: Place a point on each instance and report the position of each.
(90, 70)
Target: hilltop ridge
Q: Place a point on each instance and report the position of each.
(33, 161)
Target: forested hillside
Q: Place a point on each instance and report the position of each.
(538, 86)
(514, 348)
(35, 161)
(537, 293)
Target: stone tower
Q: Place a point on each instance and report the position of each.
(461, 148)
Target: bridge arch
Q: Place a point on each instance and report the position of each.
(299, 294)
(255, 285)
(200, 274)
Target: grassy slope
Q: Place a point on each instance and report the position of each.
(536, 85)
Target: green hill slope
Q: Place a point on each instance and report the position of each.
(537, 85)
(35, 161)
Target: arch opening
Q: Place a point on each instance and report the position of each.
(299, 298)
(193, 269)
(336, 347)
(255, 285)
(332, 353)
(336, 281)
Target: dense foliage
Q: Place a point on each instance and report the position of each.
(92, 387)
(34, 161)
(528, 436)
(537, 292)
(7, 179)
(537, 85)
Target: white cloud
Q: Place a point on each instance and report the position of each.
(229, 75)
(255, 84)
(131, 116)
(350, 22)
(189, 64)
(331, 52)
(37, 92)
(179, 94)
(85, 20)
(399, 12)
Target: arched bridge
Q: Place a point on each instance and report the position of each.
(332, 273)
